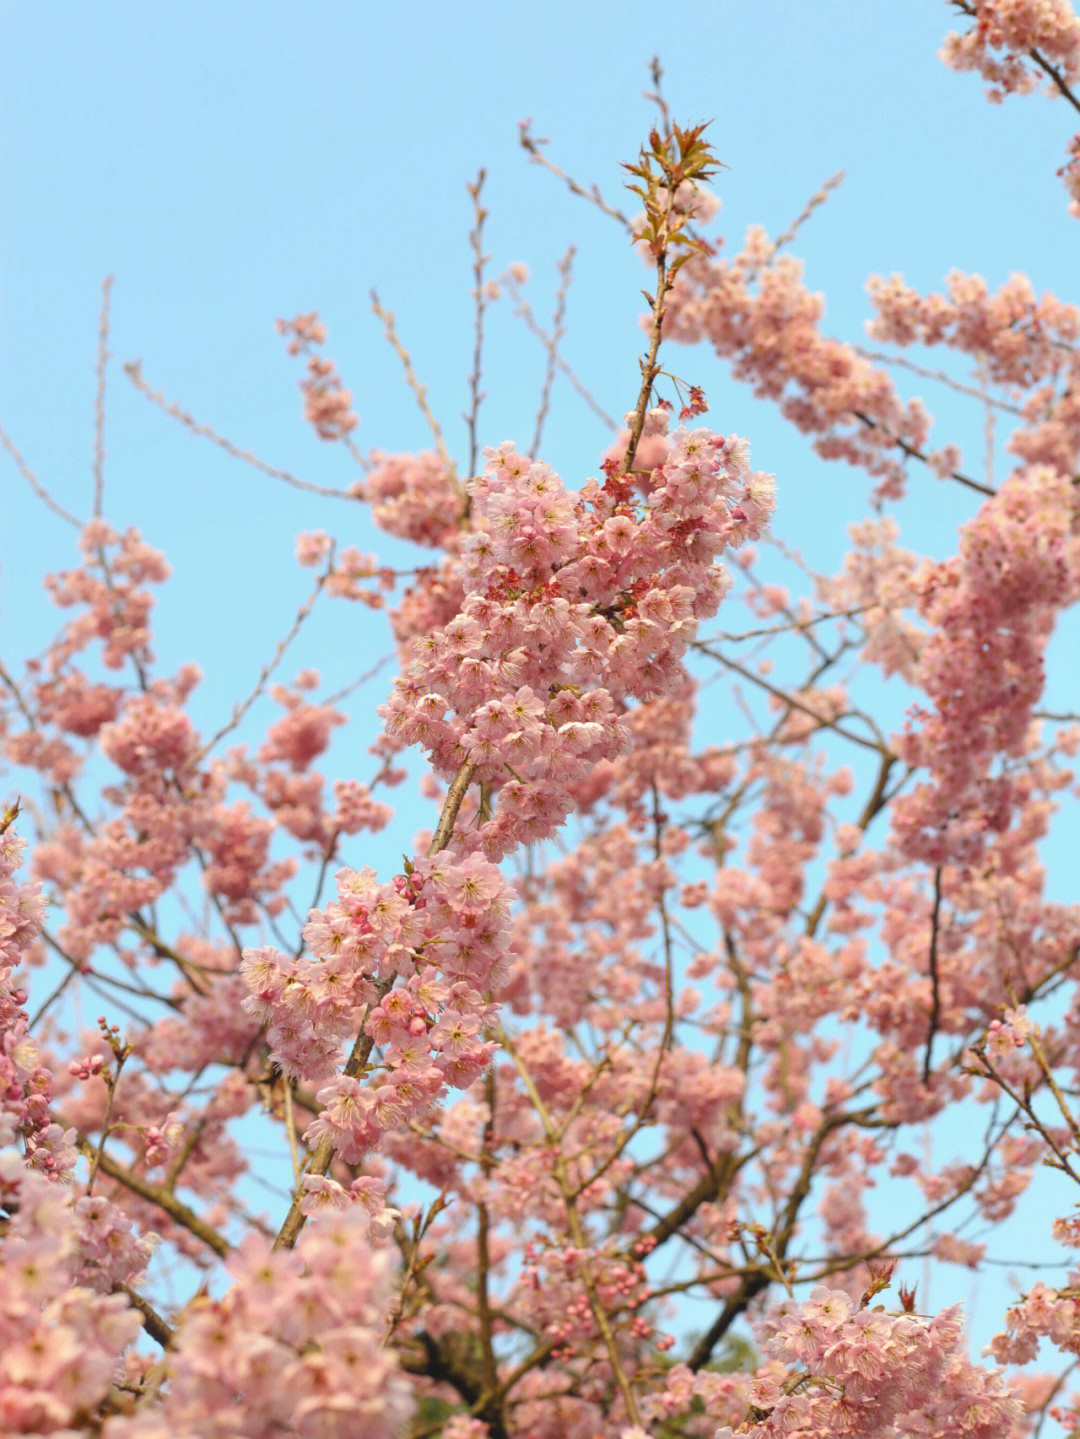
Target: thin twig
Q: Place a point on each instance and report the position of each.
(35, 484)
(817, 198)
(133, 370)
(103, 358)
(794, 626)
(51, 998)
(787, 699)
(476, 238)
(878, 357)
(419, 390)
(656, 75)
(524, 311)
(566, 266)
(241, 709)
(192, 1134)
(111, 1079)
(532, 146)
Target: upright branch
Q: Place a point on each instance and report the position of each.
(476, 241)
(99, 397)
(668, 173)
(566, 266)
(414, 384)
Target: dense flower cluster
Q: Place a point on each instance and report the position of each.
(861, 1372)
(571, 606)
(415, 496)
(25, 1080)
(755, 310)
(61, 1338)
(440, 931)
(1016, 28)
(295, 1347)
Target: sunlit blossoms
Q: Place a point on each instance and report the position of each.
(573, 605)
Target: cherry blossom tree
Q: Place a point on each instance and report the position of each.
(580, 1106)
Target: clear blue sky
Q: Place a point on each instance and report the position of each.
(230, 163)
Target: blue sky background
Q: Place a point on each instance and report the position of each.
(232, 163)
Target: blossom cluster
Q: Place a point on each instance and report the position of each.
(669, 1061)
(756, 310)
(295, 1346)
(838, 1368)
(573, 604)
(26, 1080)
(992, 609)
(1017, 335)
(416, 497)
(1044, 1312)
(62, 1332)
(327, 403)
(1017, 28)
(440, 931)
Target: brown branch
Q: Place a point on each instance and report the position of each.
(158, 1328)
(932, 964)
(419, 390)
(758, 1280)
(155, 1194)
(914, 453)
(785, 698)
(35, 484)
(454, 797)
(448, 1360)
(532, 146)
(649, 367)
